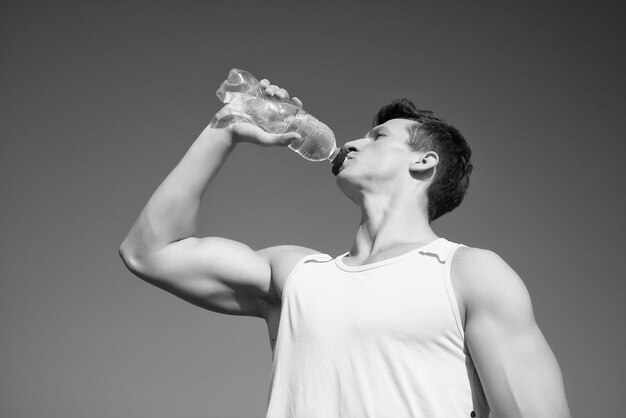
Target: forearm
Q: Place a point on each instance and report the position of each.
(171, 213)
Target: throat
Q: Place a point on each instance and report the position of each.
(391, 224)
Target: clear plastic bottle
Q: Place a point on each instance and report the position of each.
(242, 93)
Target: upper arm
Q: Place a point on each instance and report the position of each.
(214, 273)
(518, 371)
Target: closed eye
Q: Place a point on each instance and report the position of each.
(376, 133)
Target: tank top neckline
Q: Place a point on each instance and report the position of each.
(363, 267)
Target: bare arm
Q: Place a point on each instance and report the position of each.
(518, 371)
(214, 273)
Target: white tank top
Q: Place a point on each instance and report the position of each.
(379, 340)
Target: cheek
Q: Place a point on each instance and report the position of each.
(374, 163)
(387, 162)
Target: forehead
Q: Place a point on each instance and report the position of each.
(396, 126)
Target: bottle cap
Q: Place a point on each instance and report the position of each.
(338, 160)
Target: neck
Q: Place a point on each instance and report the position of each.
(390, 225)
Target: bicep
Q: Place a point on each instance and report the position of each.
(517, 368)
(218, 274)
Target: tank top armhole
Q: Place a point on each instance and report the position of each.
(297, 267)
(451, 295)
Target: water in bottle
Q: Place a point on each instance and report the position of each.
(242, 92)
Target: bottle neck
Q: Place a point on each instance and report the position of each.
(336, 159)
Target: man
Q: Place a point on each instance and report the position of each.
(406, 324)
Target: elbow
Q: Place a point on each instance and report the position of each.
(130, 258)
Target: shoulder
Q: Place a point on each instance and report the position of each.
(470, 262)
(282, 260)
(486, 282)
(517, 369)
(285, 254)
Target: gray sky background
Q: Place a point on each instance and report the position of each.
(99, 100)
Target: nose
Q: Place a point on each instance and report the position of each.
(353, 146)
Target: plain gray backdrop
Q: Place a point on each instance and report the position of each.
(99, 100)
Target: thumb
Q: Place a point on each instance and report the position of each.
(289, 138)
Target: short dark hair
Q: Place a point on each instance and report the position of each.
(431, 133)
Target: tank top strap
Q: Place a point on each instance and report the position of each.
(319, 257)
(448, 250)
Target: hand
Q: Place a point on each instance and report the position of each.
(275, 91)
(247, 132)
(241, 127)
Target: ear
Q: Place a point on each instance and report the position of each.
(424, 163)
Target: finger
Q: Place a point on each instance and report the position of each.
(289, 137)
(264, 83)
(297, 101)
(270, 140)
(271, 90)
(282, 93)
